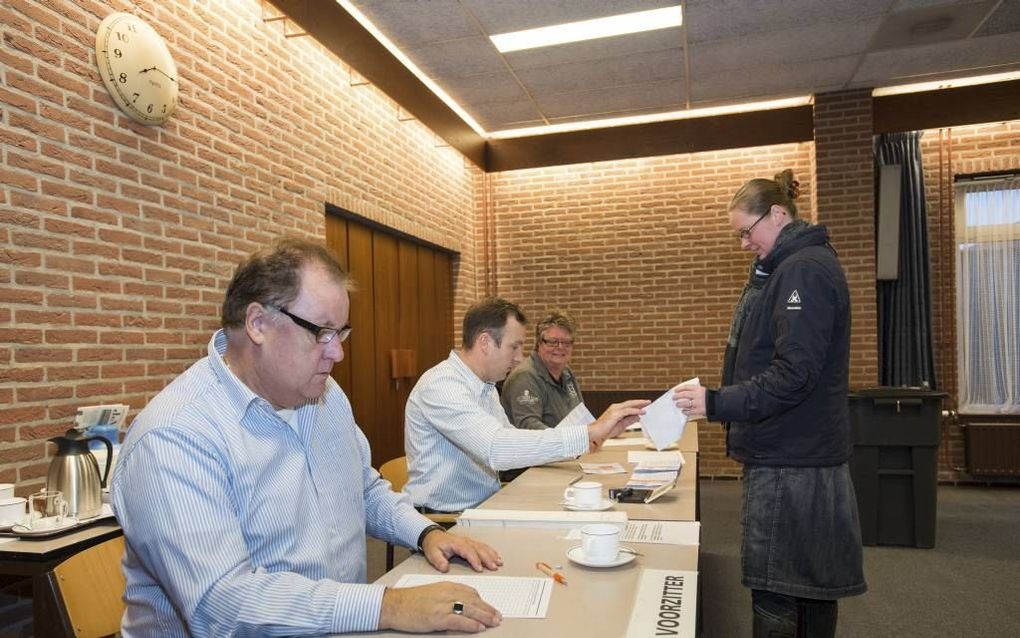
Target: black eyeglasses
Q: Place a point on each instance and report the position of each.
(322, 334)
(556, 343)
(744, 233)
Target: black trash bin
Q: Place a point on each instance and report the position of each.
(896, 434)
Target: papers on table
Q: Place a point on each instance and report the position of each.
(663, 422)
(665, 604)
(654, 469)
(514, 597)
(658, 532)
(626, 442)
(578, 416)
(535, 518)
(602, 468)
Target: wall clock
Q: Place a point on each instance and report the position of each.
(137, 68)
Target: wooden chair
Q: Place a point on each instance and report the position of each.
(395, 471)
(89, 589)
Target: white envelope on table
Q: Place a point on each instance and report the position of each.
(663, 422)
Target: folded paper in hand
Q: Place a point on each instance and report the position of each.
(663, 422)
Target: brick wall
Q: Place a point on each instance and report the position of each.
(845, 200)
(116, 240)
(641, 253)
(946, 153)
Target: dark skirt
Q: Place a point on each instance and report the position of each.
(801, 533)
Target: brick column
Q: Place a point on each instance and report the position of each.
(845, 202)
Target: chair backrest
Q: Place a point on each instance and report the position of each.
(91, 586)
(395, 471)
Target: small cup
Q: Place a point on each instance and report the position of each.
(13, 511)
(6, 491)
(586, 494)
(600, 542)
(48, 510)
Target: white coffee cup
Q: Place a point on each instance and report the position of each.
(600, 542)
(584, 494)
(6, 491)
(13, 510)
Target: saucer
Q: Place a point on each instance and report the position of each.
(576, 554)
(606, 504)
(23, 530)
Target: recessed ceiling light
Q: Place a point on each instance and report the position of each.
(946, 84)
(589, 29)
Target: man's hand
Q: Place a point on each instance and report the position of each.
(690, 399)
(431, 608)
(440, 546)
(615, 420)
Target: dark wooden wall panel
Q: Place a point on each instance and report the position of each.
(336, 241)
(389, 416)
(361, 345)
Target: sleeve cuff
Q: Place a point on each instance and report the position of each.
(358, 608)
(575, 440)
(710, 404)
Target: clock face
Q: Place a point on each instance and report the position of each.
(137, 68)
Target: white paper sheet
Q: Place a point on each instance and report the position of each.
(657, 460)
(663, 422)
(658, 532)
(578, 416)
(514, 597)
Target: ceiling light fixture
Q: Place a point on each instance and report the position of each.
(411, 66)
(622, 24)
(568, 127)
(946, 84)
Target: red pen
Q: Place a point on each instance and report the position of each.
(552, 573)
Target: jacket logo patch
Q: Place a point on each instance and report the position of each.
(527, 398)
(793, 302)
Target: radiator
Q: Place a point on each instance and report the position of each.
(993, 449)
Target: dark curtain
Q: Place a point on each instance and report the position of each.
(905, 352)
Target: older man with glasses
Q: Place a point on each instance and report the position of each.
(543, 389)
(245, 488)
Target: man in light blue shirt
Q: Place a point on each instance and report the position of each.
(456, 434)
(245, 487)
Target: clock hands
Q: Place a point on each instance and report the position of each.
(154, 68)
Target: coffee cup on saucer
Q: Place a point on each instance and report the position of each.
(584, 495)
(600, 542)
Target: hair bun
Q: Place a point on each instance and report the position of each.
(787, 184)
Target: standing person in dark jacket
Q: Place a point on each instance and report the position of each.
(784, 400)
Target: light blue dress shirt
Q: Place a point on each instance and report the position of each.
(237, 523)
(457, 438)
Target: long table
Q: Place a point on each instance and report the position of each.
(595, 602)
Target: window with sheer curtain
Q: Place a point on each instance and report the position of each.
(988, 295)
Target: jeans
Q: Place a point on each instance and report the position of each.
(781, 616)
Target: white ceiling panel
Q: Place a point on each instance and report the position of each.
(786, 47)
(649, 97)
(465, 56)
(503, 115)
(578, 76)
(768, 81)
(996, 53)
(414, 23)
(709, 20)
(486, 87)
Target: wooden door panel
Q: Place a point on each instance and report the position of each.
(336, 241)
(360, 348)
(389, 413)
(428, 317)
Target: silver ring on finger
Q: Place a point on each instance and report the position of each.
(458, 608)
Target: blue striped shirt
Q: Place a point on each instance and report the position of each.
(457, 437)
(237, 523)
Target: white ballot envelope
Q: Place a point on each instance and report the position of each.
(663, 422)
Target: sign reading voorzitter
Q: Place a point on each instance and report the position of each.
(665, 604)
